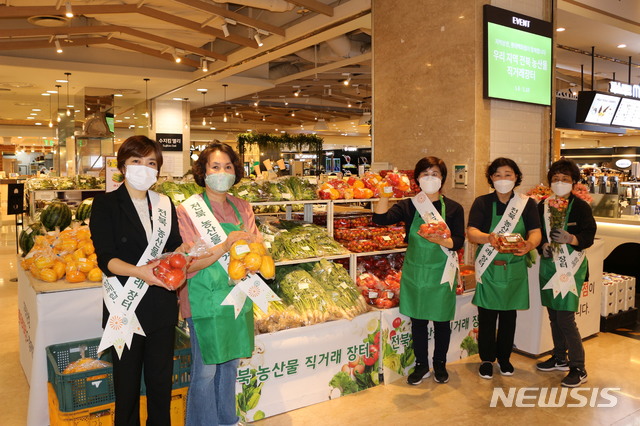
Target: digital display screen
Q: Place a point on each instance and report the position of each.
(627, 114)
(517, 57)
(596, 108)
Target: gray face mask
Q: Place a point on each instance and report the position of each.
(220, 182)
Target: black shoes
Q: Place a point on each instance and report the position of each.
(440, 374)
(506, 369)
(553, 363)
(486, 370)
(575, 378)
(419, 372)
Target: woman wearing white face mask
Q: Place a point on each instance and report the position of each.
(128, 226)
(218, 337)
(502, 283)
(576, 235)
(429, 272)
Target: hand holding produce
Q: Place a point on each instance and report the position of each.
(250, 258)
(171, 270)
(434, 230)
(510, 243)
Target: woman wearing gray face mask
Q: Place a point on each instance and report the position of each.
(218, 337)
(503, 286)
(562, 302)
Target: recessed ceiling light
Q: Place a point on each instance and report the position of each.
(622, 46)
(36, 109)
(560, 29)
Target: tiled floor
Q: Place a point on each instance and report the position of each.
(613, 361)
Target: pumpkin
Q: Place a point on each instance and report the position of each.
(56, 214)
(268, 267)
(236, 270)
(84, 210)
(239, 249)
(252, 261)
(95, 275)
(48, 275)
(26, 240)
(75, 276)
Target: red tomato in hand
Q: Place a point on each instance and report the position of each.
(177, 261)
(162, 269)
(174, 279)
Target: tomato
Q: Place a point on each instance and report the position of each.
(369, 361)
(397, 322)
(374, 351)
(358, 369)
(376, 339)
(174, 279)
(162, 269)
(177, 261)
(392, 333)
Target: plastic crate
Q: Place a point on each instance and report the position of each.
(101, 415)
(81, 390)
(181, 362)
(178, 407)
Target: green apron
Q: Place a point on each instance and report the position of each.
(505, 286)
(570, 302)
(422, 296)
(221, 336)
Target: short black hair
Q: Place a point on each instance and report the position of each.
(500, 162)
(200, 165)
(427, 163)
(138, 146)
(566, 167)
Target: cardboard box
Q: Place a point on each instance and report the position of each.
(468, 277)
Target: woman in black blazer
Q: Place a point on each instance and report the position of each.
(121, 225)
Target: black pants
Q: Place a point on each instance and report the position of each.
(155, 352)
(490, 345)
(442, 334)
(566, 336)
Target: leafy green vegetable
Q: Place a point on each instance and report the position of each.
(343, 382)
(469, 345)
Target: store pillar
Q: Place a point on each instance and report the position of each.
(169, 124)
(428, 94)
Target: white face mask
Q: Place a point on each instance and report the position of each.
(430, 184)
(504, 186)
(561, 189)
(220, 182)
(140, 177)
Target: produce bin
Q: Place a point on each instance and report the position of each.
(80, 390)
(101, 415)
(178, 407)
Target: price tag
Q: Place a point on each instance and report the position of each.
(387, 189)
(287, 196)
(267, 244)
(344, 285)
(303, 286)
(386, 238)
(306, 248)
(373, 294)
(243, 193)
(179, 197)
(390, 295)
(243, 248)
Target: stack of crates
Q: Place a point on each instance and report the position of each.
(618, 293)
(87, 398)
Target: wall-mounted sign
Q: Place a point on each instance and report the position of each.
(623, 163)
(170, 141)
(618, 88)
(113, 177)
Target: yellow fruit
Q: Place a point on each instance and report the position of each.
(66, 245)
(43, 262)
(75, 277)
(237, 270)
(34, 270)
(71, 267)
(68, 258)
(239, 249)
(87, 247)
(26, 263)
(95, 275)
(79, 254)
(268, 267)
(48, 275)
(93, 257)
(83, 233)
(252, 261)
(59, 268)
(85, 265)
(258, 248)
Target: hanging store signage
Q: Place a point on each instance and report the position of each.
(632, 90)
(170, 141)
(623, 163)
(517, 57)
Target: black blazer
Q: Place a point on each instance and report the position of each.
(117, 232)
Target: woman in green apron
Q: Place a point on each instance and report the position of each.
(503, 286)
(218, 338)
(423, 295)
(562, 302)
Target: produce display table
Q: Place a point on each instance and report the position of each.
(533, 332)
(51, 313)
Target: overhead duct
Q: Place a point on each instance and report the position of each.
(283, 70)
(95, 127)
(270, 5)
(334, 50)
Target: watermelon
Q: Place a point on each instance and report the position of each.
(84, 210)
(28, 235)
(56, 214)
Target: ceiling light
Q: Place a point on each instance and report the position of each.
(177, 58)
(349, 104)
(62, 80)
(69, 12)
(53, 91)
(297, 92)
(46, 94)
(224, 117)
(58, 47)
(225, 29)
(204, 104)
(348, 80)
(258, 40)
(560, 29)
(33, 113)
(622, 46)
(205, 66)
(38, 124)
(293, 113)
(36, 109)
(264, 118)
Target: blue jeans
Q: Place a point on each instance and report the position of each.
(212, 393)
